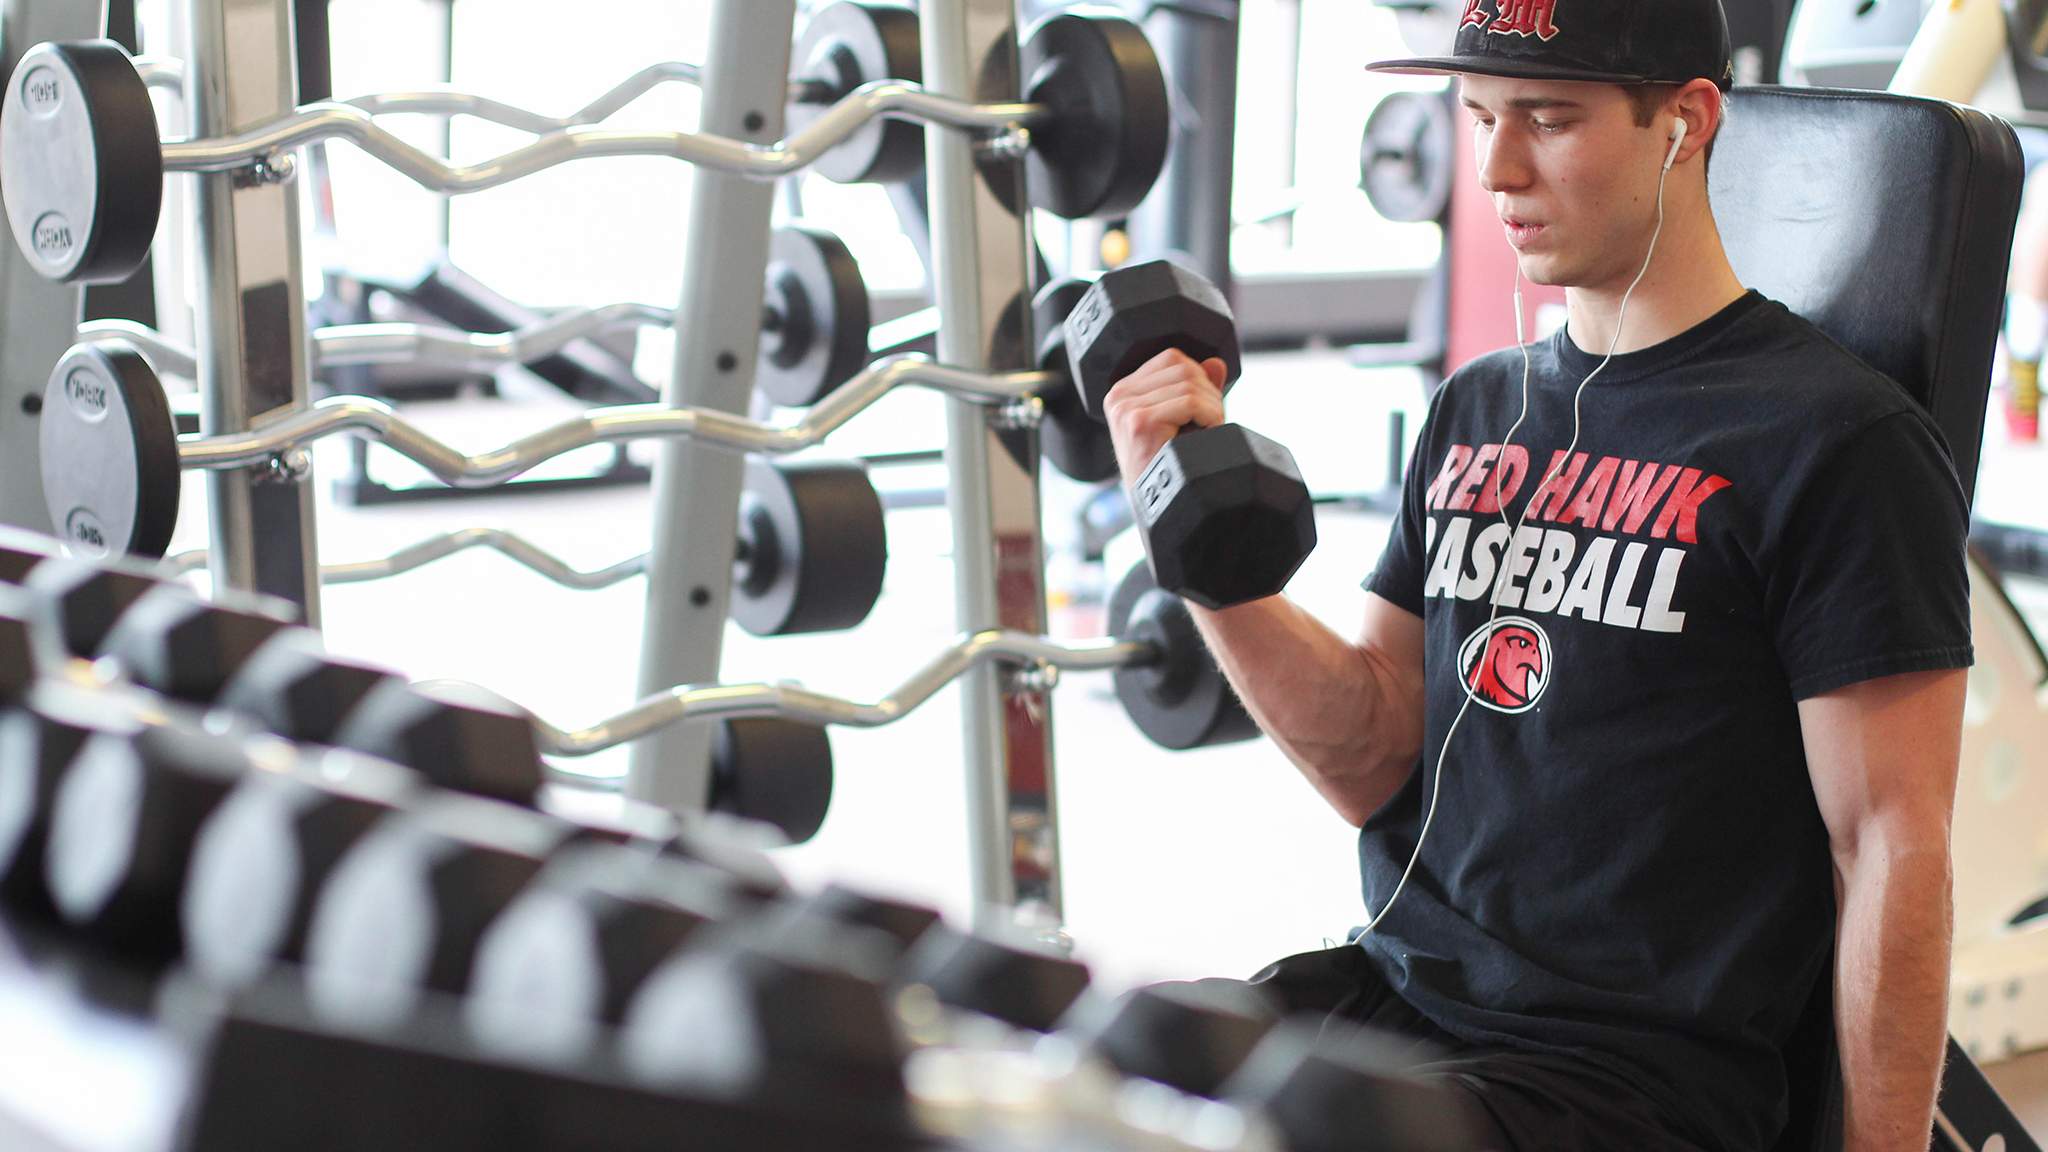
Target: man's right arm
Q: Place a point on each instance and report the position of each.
(1349, 715)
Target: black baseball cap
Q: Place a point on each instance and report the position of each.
(1603, 41)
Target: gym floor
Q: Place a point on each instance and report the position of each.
(1176, 865)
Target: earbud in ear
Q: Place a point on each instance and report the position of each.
(1677, 142)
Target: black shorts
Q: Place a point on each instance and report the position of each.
(1517, 1101)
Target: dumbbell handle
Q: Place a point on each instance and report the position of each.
(314, 123)
(354, 345)
(795, 702)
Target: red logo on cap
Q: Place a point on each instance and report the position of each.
(1516, 17)
(1526, 18)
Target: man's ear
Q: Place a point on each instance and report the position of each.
(1699, 103)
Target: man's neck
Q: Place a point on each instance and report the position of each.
(1688, 281)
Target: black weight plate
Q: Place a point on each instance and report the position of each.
(1102, 147)
(812, 548)
(844, 46)
(109, 453)
(80, 161)
(774, 770)
(818, 339)
(1406, 158)
(1076, 443)
(1180, 700)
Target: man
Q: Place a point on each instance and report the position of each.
(1661, 704)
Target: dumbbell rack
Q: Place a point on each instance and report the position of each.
(980, 264)
(718, 324)
(251, 306)
(40, 313)
(982, 257)
(254, 357)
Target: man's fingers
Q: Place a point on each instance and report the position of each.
(1166, 358)
(1175, 411)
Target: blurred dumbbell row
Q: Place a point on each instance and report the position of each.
(373, 946)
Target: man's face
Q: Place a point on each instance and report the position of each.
(1573, 179)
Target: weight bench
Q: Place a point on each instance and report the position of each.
(1888, 222)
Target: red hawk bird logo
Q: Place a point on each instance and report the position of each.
(1506, 664)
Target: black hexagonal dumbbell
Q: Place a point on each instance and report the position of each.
(262, 857)
(21, 551)
(122, 825)
(19, 661)
(899, 921)
(1223, 511)
(1321, 1083)
(734, 847)
(81, 602)
(456, 735)
(779, 1011)
(575, 947)
(292, 687)
(1011, 977)
(1191, 1036)
(172, 642)
(37, 746)
(406, 909)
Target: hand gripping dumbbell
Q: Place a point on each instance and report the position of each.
(83, 165)
(1223, 511)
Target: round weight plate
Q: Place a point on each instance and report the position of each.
(1104, 143)
(81, 167)
(109, 453)
(818, 338)
(812, 548)
(773, 770)
(1405, 161)
(844, 46)
(1180, 700)
(1076, 443)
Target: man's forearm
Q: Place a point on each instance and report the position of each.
(1336, 711)
(1892, 964)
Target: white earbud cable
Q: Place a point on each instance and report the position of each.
(1501, 575)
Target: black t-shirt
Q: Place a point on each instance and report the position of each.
(1627, 862)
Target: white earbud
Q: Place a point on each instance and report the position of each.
(1677, 142)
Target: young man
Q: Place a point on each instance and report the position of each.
(1657, 710)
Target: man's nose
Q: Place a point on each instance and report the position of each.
(1503, 161)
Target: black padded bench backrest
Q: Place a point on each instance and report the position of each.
(1887, 221)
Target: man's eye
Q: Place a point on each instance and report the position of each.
(1551, 126)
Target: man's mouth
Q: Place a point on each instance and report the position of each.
(1521, 233)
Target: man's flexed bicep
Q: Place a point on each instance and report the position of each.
(1347, 713)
